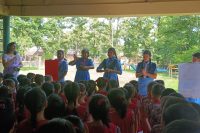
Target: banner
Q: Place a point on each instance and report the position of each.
(189, 80)
(51, 68)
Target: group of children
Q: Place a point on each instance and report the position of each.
(35, 104)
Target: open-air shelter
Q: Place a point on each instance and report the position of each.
(92, 8)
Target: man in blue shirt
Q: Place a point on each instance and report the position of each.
(63, 66)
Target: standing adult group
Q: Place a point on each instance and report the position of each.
(145, 72)
(111, 66)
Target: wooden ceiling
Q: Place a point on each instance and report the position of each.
(98, 7)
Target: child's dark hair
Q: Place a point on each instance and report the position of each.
(39, 79)
(182, 126)
(159, 81)
(25, 81)
(196, 106)
(20, 101)
(167, 92)
(150, 86)
(20, 77)
(31, 76)
(135, 84)
(180, 111)
(48, 88)
(57, 87)
(118, 101)
(175, 94)
(57, 125)
(113, 84)
(35, 100)
(77, 123)
(8, 82)
(157, 90)
(6, 76)
(48, 78)
(91, 87)
(131, 90)
(99, 108)
(72, 91)
(56, 107)
(101, 82)
(7, 117)
(4, 91)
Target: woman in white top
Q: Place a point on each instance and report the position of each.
(11, 60)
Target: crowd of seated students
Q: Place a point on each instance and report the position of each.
(34, 103)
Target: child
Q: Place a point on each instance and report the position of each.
(56, 107)
(182, 126)
(82, 108)
(83, 65)
(102, 85)
(7, 117)
(48, 88)
(110, 66)
(120, 114)
(57, 125)
(180, 111)
(35, 102)
(21, 112)
(39, 79)
(99, 109)
(154, 107)
(31, 76)
(72, 92)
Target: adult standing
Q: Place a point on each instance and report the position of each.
(63, 66)
(83, 65)
(145, 72)
(196, 57)
(110, 66)
(11, 60)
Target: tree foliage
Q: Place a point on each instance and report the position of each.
(172, 39)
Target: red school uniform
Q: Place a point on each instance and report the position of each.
(82, 111)
(126, 124)
(103, 92)
(25, 126)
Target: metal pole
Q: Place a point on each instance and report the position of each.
(6, 31)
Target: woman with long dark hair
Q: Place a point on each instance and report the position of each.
(145, 72)
(11, 60)
(110, 66)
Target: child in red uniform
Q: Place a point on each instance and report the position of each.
(102, 85)
(35, 102)
(154, 107)
(120, 114)
(21, 111)
(82, 108)
(7, 117)
(72, 92)
(99, 109)
(56, 107)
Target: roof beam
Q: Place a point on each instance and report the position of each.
(116, 9)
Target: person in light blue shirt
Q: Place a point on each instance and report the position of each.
(146, 72)
(63, 66)
(83, 65)
(110, 66)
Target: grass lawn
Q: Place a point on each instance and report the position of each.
(169, 82)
